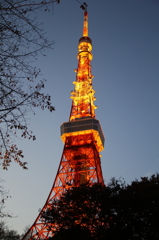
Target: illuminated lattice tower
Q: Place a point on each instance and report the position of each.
(82, 136)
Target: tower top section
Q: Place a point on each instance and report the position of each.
(83, 94)
(85, 38)
(82, 121)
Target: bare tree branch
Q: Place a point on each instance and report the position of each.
(22, 39)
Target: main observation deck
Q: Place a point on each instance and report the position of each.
(84, 126)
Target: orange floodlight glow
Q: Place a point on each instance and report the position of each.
(83, 140)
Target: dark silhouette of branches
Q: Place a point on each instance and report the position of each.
(30, 3)
(22, 39)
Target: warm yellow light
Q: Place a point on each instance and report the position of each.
(96, 136)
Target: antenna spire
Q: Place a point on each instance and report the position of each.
(85, 24)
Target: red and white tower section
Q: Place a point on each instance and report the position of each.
(82, 136)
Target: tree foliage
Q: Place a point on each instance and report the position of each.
(22, 39)
(116, 211)
(8, 234)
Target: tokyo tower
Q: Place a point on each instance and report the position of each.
(82, 136)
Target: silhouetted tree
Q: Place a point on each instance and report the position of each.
(22, 39)
(116, 211)
(7, 234)
(74, 233)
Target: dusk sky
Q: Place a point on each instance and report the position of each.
(125, 36)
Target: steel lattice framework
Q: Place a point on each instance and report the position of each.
(82, 136)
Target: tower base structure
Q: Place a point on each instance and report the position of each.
(80, 164)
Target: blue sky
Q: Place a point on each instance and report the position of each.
(125, 37)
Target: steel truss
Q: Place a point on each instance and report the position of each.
(80, 164)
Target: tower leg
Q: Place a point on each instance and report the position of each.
(80, 164)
